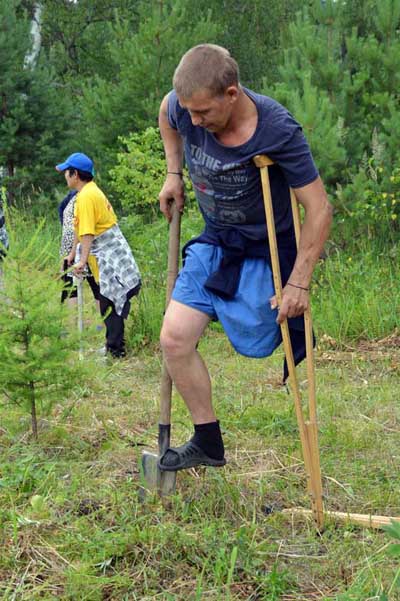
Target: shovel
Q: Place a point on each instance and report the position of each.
(154, 480)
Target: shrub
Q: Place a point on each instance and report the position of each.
(140, 172)
(372, 201)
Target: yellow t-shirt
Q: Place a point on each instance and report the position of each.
(93, 214)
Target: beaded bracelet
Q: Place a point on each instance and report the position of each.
(295, 286)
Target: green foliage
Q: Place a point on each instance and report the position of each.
(140, 172)
(372, 199)
(382, 592)
(104, 68)
(143, 63)
(251, 32)
(394, 551)
(75, 34)
(33, 114)
(340, 78)
(394, 531)
(352, 291)
(37, 367)
(321, 123)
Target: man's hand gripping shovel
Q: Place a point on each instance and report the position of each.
(154, 480)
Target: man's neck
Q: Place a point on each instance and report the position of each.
(242, 124)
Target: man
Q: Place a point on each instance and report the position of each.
(103, 246)
(219, 126)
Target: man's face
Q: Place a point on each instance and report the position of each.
(209, 111)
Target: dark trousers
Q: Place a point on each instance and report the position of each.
(115, 342)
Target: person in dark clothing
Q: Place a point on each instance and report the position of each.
(218, 126)
(3, 240)
(3, 233)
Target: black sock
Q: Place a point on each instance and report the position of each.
(208, 438)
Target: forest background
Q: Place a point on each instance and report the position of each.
(97, 78)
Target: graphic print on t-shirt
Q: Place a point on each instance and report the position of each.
(222, 190)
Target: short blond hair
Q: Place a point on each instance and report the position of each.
(206, 66)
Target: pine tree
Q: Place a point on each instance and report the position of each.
(37, 363)
(33, 113)
(144, 62)
(348, 56)
(251, 30)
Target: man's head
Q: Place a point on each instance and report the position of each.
(78, 169)
(205, 67)
(207, 84)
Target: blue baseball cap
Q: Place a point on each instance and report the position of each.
(77, 160)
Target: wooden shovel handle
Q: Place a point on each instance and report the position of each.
(172, 272)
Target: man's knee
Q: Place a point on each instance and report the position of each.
(174, 343)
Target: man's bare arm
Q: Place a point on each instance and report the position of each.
(173, 188)
(314, 233)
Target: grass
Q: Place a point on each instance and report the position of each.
(356, 293)
(72, 527)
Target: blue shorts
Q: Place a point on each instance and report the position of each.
(247, 318)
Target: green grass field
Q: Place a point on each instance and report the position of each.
(72, 527)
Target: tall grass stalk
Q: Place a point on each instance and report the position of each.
(356, 296)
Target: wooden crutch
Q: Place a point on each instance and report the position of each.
(312, 423)
(308, 431)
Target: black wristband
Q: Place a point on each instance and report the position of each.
(175, 173)
(295, 286)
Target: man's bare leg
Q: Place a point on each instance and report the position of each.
(181, 331)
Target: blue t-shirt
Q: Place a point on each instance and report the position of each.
(226, 182)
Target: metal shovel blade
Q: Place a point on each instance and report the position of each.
(162, 483)
(156, 481)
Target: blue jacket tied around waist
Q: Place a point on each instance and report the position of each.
(237, 245)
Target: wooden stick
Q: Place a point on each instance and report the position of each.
(263, 162)
(366, 520)
(172, 273)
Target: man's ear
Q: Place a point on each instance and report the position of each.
(232, 93)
